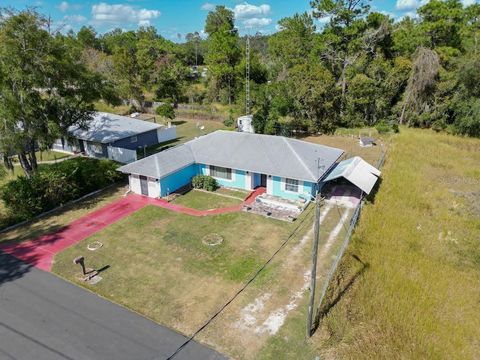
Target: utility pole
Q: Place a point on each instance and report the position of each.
(247, 76)
(313, 280)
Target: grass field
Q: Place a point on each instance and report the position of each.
(50, 155)
(159, 266)
(205, 201)
(349, 144)
(417, 294)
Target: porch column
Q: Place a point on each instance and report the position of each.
(248, 180)
(270, 184)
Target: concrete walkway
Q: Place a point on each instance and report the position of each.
(40, 252)
(43, 317)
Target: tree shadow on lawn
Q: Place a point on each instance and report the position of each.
(44, 225)
(12, 268)
(179, 122)
(340, 289)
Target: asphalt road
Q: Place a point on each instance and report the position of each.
(45, 317)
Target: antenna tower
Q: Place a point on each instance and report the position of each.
(247, 76)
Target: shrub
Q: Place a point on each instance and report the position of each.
(210, 184)
(228, 122)
(198, 181)
(204, 182)
(57, 184)
(166, 110)
(382, 127)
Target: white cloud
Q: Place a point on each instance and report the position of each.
(406, 4)
(468, 2)
(256, 22)
(208, 7)
(324, 20)
(246, 11)
(63, 6)
(117, 14)
(252, 16)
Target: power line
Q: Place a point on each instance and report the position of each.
(242, 288)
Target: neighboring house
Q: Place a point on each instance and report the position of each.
(115, 137)
(244, 124)
(287, 168)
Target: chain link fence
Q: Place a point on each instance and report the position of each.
(345, 243)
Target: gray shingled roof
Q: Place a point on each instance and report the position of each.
(106, 128)
(265, 154)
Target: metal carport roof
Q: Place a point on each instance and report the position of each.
(357, 171)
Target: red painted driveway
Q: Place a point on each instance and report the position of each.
(40, 251)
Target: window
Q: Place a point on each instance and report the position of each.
(291, 185)
(133, 139)
(221, 172)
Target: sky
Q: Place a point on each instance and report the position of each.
(175, 18)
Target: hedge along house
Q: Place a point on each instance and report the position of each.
(115, 137)
(288, 168)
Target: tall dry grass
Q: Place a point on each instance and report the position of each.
(419, 294)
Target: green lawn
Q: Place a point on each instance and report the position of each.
(50, 155)
(201, 200)
(159, 266)
(236, 193)
(417, 294)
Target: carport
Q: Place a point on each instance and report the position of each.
(357, 171)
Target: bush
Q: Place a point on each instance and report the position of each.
(166, 110)
(228, 122)
(382, 127)
(204, 182)
(210, 184)
(57, 184)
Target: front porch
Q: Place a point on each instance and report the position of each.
(277, 207)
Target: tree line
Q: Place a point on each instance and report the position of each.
(361, 68)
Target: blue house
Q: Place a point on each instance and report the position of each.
(115, 137)
(286, 168)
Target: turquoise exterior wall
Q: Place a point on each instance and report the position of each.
(178, 179)
(238, 179)
(202, 169)
(182, 177)
(308, 190)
